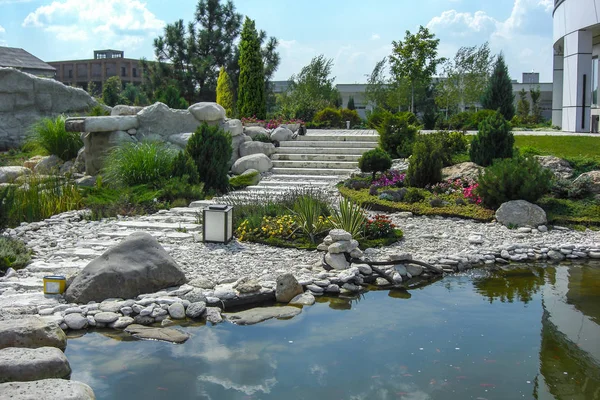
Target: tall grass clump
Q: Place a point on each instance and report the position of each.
(308, 213)
(48, 136)
(350, 217)
(138, 163)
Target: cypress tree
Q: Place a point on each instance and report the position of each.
(498, 94)
(351, 105)
(251, 88)
(225, 92)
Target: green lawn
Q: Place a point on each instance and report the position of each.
(563, 146)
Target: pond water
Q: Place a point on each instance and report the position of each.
(527, 333)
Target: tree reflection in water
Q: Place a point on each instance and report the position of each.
(508, 285)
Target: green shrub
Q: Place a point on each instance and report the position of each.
(210, 148)
(13, 254)
(397, 134)
(478, 117)
(261, 137)
(414, 195)
(242, 181)
(184, 165)
(518, 178)
(349, 115)
(172, 98)
(48, 136)
(308, 214)
(111, 91)
(375, 160)
(375, 117)
(460, 121)
(450, 144)
(180, 188)
(138, 163)
(329, 117)
(494, 140)
(567, 189)
(98, 111)
(425, 167)
(350, 217)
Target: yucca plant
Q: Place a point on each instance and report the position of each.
(350, 217)
(308, 214)
(138, 163)
(48, 136)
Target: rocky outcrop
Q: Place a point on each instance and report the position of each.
(10, 173)
(259, 162)
(46, 389)
(137, 265)
(466, 170)
(559, 167)
(520, 213)
(25, 98)
(22, 365)
(158, 121)
(31, 332)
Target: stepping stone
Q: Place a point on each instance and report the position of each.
(158, 225)
(259, 314)
(46, 389)
(22, 364)
(151, 333)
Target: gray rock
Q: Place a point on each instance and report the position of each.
(556, 255)
(233, 126)
(315, 289)
(121, 323)
(9, 174)
(46, 389)
(143, 319)
(259, 162)
(213, 315)
(254, 131)
(180, 139)
(351, 287)
(381, 282)
(177, 311)
(159, 120)
(31, 332)
(86, 181)
(110, 123)
(225, 292)
(259, 314)
(282, 134)
(194, 296)
(475, 239)
(364, 269)
(466, 170)
(196, 310)
(106, 317)
(337, 235)
(333, 288)
(343, 246)
(111, 306)
(542, 228)
(247, 285)
(414, 270)
(125, 110)
(207, 111)
(520, 213)
(76, 321)
(304, 299)
(202, 283)
(137, 265)
(287, 288)
(559, 167)
(249, 148)
(337, 261)
(151, 333)
(21, 364)
(594, 180)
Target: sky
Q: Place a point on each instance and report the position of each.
(355, 34)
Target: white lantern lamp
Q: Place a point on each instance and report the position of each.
(218, 224)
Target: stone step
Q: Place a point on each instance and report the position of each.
(300, 178)
(312, 172)
(149, 225)
(277, 164)
(297, 184)
(321, 150)
(338, 138)
(316, 157)
(156, 234)
(271, 189)
(183, 211)
(328, 144)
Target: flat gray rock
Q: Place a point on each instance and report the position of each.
(152, 333)
(259, 314)
(21, 364)
(304, 299)
(46, 389)
(32, 332)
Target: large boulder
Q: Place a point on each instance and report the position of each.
(520, 213)
(594, 178)
(207, 111)
(233, 126)
(47, 165)
(259, 162)
(9, 174)
(46, 389)
(287, 288)
(159, 119)
(254, 131)
(180, 139)
(125, 110)
(282, 134)
(466, 170)
(31, 332)
(248, 148)
(559, 167)
(137, 265)
(21, 364)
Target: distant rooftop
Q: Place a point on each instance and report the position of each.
(20, 59)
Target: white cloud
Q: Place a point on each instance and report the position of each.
(2, 30)
(375, 36)
(112, 23)
(477, 22)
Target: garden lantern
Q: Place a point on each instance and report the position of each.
(218, 224)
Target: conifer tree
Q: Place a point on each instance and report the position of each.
(351, 105)
(523, 106)
(251, 88)
(499, 94)
(225, 93)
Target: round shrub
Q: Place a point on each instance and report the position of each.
(425, 167)
(210, 148)
(329, 116)
(397, 133)
(414, 195)
(451, 144)
(494, 140)
(516, 178)
(478, 117)
(460, 121)
(374, 161)
(349, 115)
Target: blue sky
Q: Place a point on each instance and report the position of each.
(356, 34)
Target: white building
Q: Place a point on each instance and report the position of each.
(576, 48)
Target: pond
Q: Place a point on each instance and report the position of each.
(522, 333)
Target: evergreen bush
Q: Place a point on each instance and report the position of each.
(397, 133)
(329, 117)
(251, 88)
(425, 166)
(494, 140)
(351, 105)
(184, 165)
(518, 178)
(414, 195)
(172, 98)
(374, 161)
(210, 148)
(375, 117)
(225, 96)
(111, 91)
(450, 144)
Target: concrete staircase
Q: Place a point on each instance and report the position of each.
(314, 161)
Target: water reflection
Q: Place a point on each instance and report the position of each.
(457, 339)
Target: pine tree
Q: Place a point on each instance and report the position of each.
(351, 104)
(210, 148)
(499, 94)
(494, 140)
(251, 88)
(225, 93)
